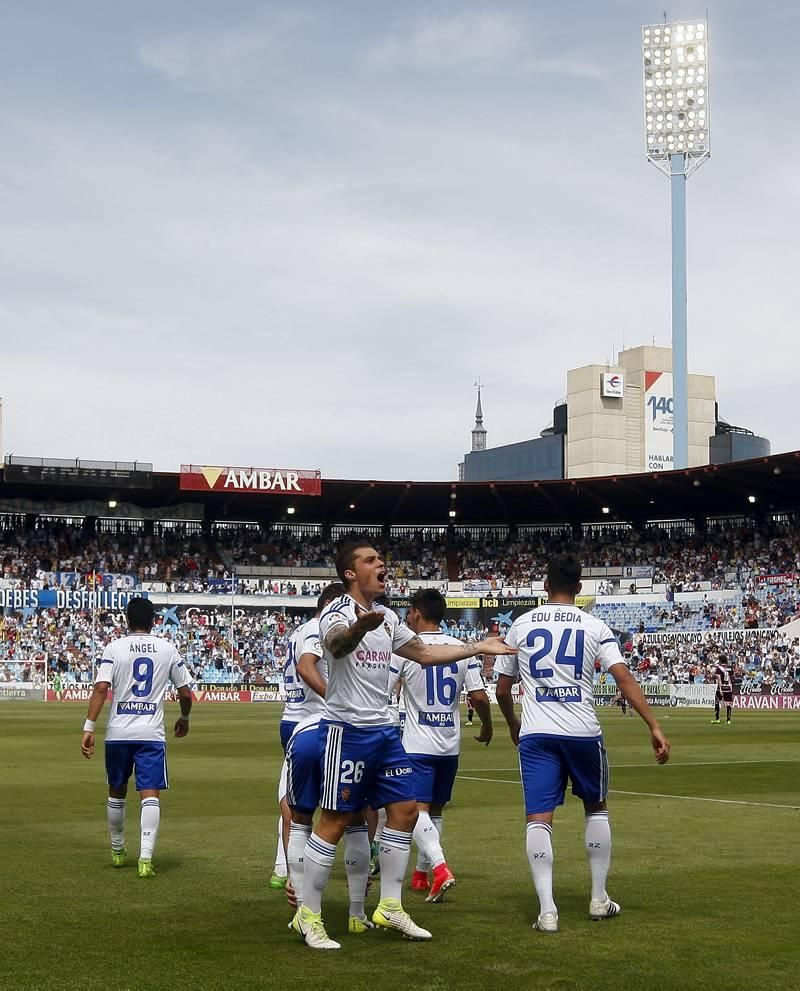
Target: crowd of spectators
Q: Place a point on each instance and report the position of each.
(759, 565)
(67, 644)
(683, 561)
(770, 659)
(188, 559)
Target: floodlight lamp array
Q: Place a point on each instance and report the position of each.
(675, 63)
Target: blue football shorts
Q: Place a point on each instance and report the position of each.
(363, 765)
(286, 729)
(547, 763)
(148, 760)
(433, 777)
(303, 772)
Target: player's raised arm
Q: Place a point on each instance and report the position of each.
(629, 687)
(427, 655)
(342, 639)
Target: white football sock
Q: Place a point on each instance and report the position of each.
(395, 851)
(298, 837)
(423, 864)
(280, 868)
(426, 836)
(381, 824)
(151, 819)
(317, 862)
(540, 857)
(598, 849)
(115, 810)
(356, 864)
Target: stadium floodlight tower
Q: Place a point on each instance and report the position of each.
(676, 115)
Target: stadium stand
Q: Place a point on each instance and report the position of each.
(711, 564)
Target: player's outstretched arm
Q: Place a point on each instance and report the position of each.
(629, 687)
(484, 709)
(307, 669)
(343, 640)
(182, 722)
(506, 702)
(96, 703)
(428, 656)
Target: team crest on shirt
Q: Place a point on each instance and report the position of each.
(387, 628)
(345, 794)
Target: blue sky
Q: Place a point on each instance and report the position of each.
(295, 234)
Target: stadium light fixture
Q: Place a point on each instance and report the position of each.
(677, 142)
(751, 498)
(452, 514)
(606, 510)
(112, 503)
(290, 510)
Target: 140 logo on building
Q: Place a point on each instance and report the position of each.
(659, 407)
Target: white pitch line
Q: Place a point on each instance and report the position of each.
(652, 794)
(697, 798)
(685, 763)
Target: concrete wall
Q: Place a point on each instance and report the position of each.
(607, 436)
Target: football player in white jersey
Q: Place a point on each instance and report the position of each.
(138, 668)
(302, 778)
(432, 734)
(293, 711)
(363, 761)
(560, 738)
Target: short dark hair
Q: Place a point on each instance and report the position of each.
(346, 556)
(430, 603)
(329, 593)
(140, 613)
(564, 574)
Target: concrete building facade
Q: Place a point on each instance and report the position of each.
(620, 417)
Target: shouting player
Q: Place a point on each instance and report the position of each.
(303, 777)
(559, 739)
(432, 734)
(363, 760)
(138, 669)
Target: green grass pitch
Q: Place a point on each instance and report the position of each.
(710, 890)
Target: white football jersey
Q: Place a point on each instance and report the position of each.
(139, 668)
(359, 683)
(431, 694)
(301, 700)
(557, 646)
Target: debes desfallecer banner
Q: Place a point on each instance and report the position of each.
(67, 598)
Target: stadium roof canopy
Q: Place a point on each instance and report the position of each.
(759, 487)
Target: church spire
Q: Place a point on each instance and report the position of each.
(479, 431)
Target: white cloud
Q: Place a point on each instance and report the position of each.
(230, 58)
(471, 39)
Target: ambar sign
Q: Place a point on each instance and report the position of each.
(284, 481)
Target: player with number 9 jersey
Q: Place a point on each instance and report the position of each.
(140, 667)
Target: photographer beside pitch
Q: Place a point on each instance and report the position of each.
(559, 738)
(138, 667)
